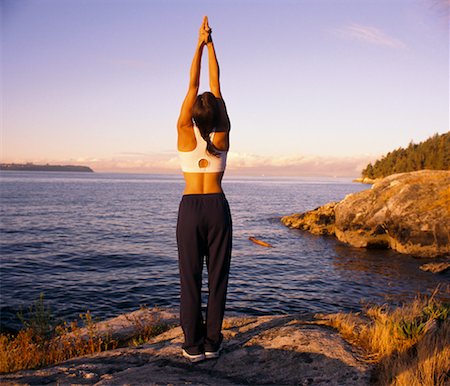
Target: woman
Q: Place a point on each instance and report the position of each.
(204, 219)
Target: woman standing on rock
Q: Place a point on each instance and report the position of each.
(204, 219)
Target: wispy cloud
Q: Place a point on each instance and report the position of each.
(369, 35)
(244, 163)
(238, 164)
(441, 7)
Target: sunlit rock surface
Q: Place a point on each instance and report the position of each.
(408, 212)
(435, 267)
(320, 221)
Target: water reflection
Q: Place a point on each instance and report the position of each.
(393, 277)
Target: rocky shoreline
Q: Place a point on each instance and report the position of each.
(282, 349)
(408, 212)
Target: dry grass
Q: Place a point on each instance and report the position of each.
(30, 349)
(146, 331)
(410, 345)
(40, 344)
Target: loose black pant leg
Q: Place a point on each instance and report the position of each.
(218, 263)
(191, 251)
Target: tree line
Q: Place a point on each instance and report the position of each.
(434, 153)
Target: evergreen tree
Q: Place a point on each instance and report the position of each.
(434, 153)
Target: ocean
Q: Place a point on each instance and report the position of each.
(106, 243)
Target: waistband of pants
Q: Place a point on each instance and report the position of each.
(203, 196)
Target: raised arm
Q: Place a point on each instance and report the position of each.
(214, 73)
(214, 82)
(185, 118)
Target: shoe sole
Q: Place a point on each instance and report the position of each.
(194, 358)
(212, 354)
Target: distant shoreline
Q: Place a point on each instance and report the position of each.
(30, 167)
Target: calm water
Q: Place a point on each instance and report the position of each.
(106, 243)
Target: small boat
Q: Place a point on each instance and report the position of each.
(259, 242)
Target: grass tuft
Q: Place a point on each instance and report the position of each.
(146, 331)
(39, 345)
(409, 345)
(42, 343)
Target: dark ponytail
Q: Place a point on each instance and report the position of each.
(205, 113)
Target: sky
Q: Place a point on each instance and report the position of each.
(312, 87)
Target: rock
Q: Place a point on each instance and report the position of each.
(319, 221)
(408, 212)
(366, 180)
(435, 267)
(275, 350)
(126, 326)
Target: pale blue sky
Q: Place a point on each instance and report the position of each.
(307, 83)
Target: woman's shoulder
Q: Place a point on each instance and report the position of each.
(187, 140)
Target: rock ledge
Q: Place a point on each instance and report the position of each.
(408, 212)
(265, 350)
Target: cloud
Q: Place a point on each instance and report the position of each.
(369, 35)
(441, 7)
(296, 165)
(238, 164)
(138, 163)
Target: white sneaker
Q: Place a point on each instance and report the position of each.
(193, 357)
(213, 354)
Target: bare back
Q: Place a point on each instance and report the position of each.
(202, 183)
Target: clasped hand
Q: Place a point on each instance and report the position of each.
(204, 35)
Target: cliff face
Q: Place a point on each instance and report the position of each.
(408, 212)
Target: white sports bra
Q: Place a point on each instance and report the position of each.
(191, 160)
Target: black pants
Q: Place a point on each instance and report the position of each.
(203, 230)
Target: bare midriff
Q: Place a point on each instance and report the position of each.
(203, 183)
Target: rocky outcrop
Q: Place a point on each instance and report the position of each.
(319, 221)
(273, 350)
(435, 267)
(408, 212)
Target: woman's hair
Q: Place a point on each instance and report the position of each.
(205, 114)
